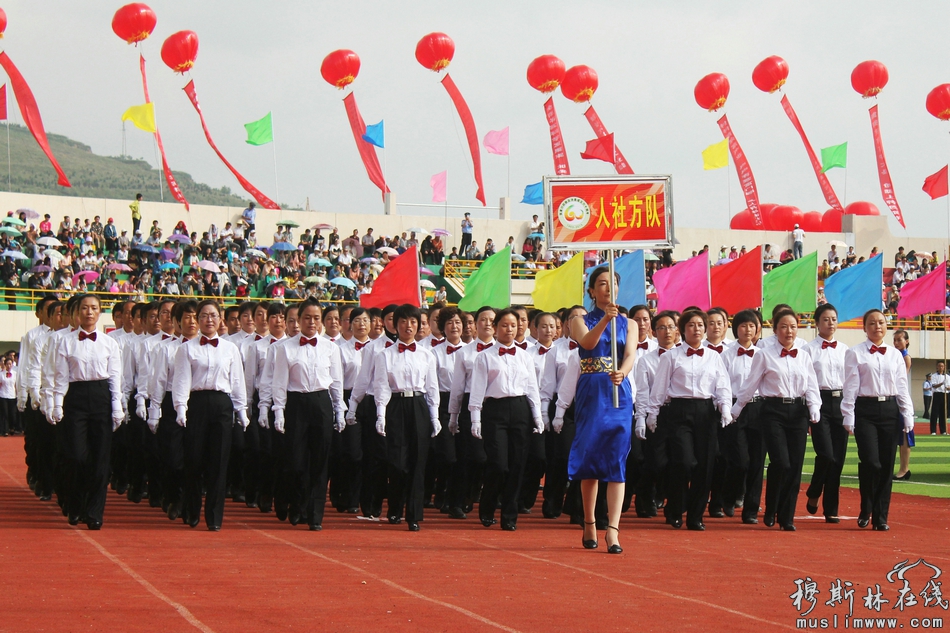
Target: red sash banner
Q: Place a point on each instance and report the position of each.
(887, 188)
(620, 163)
(830, 197)
(744, 171)
(169, 178)
(31, 113)
(561, 167)
(261, 199)
(367, 152)
(469, 124)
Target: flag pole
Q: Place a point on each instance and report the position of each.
(9, 167)
(274, 147)
(613, 325)
(161, 186)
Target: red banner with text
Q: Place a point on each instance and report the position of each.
(744, 171)
(887, 187)
(561, 166)
(468, 123)
(830, 196)
(169, 177)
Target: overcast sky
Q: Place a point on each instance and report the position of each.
(257, 57)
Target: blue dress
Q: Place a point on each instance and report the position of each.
(603, 433)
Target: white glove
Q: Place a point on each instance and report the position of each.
(814, 416)
(140, 409)
(243, 419)
(436, 427)
(35, 397)
(118, 415)
(849, 427)
(20, 406)
(381, 426)
(264, 418)
(538, 426)
(476, 429)
(34, 404)
(454, 423)
(736, 410)
(651, 422)
(908, 426)
(56, 415)
(546, 419)
(279, 420)
(153, 425)
(726, 420)
(351, 415)
(340, 423)
(558, 422)
(181, 418)
(640, 430)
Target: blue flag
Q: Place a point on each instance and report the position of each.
(374, 135)
(633, 281)
(534, 194)
(856, 289)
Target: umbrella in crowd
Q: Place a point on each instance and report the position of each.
(539, 236)
(167, 254)
(145, 248)
(14, 221)
(9, 230)
(419, 230)
(369, 260)
(48, 241)
(30, 213)
(323, 262)
(88, 275)
(441, 233)
(41, 269)
(838, 243)
(208, 266)
(322, 227)
(119, 267)
(315, 279)
(425, 283)
(178, 237)
(289, 223)
(650, 257)
(392, 252)
(345, 282)
(253, 252)
(283, 246)
(13, 254)
(165, 266)
(53, 254)
(425, 271)
(517, 258)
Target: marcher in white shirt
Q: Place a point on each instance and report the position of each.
(785, 378)
(646, 342)
(521, 337)
(828, 437)
(308, 406)
(505, 397)
(541, 351)
(87, 404)
(442, 454)
(332, 329)
(716, 341)
(875, 407)
(208, 391)
(7, 397)
(407, 414)
(39, 474)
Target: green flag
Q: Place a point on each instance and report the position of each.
(834, 156)
(794, 283)
(260, 132)
(490, 285)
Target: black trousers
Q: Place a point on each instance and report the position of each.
(465, 243)
(876, 429)
(785, 430)
(408, 431)
(442, 457)
(171, 449)
(8, 415)
(534, 469)
(346, 465)
(506, 424)
(207, 445)
(373, 488)
(557, 450)
(144, 461)
(86, 433)
(259, 462)
(465, 487)
(46, 450)
(306, 452)
(690, 446)
(235, 474)
(938, 413)
(725, 439)
(745, 461)
(830, 441)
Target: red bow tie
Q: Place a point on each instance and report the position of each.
(827, 344)
(308, 341)
(789, 352)
(165, 337)
(506, 350)
(483, 346)
(522, 344)
(715, 348)
(874, 348)
(437, 342)
(209, 341)
(745, 352)
(660, 351)
(359, 345)
(257, 337)
(83, 336)
(696, 352)
(451, 350)
(643, 345)
(542, 350)
(389, 344)
(572, 345)
(407, 348)
(9, 375)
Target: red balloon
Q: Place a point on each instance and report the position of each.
(743, 221)
(712, 91)
(545, 73)
(811, 222)
(180, 51)
(938, 102)
(831, 221)
(134, 22)
(3, 22)
(861, 208)
(785, 217)
(435, 51)
(770, 74)
(765, 210)
(340, 68)
(579, 83)
(869, 78)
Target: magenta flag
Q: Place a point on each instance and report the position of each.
(439, 185)
(685, 284)
(927, 294)
(496, 142)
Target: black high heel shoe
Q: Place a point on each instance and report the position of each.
(615, 548)
(589, 543)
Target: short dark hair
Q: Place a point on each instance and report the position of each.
(478, 312)
(503, 313)
(330, 308)
(744, 316)
(184, 307)
(638, 308)
(665, 314)
(357, 312)
(42, 304)
(820, 310)
(209, 302)
(781, 314)
(228, 311)
(247, 306)
(689, 315)
(303, 305)
(778, 308)
(447, 314)
(274, 309)
(720, 311)
(406, 312)
(51, 305)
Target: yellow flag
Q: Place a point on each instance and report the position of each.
(716, 155)
(560, 287)
(143, 116)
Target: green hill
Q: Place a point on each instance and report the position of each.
(93, 176)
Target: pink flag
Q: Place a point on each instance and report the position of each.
(497, 142)
(927, 294)
(685, 284)
(439, 185)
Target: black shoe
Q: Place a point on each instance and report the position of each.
(456, 513)
(266, 503)
(523, 509)
(615, 548)
(488, 522)
(750, 520)
(394, 520)
(508, 527)
(281, 511)
(863, 521)
(214, 528)
(676, 523)
(812, 506)
(413, 527)
(94, 525)
(353, 510)
(154, 502)
(788, 527)
(121, 488)
(769, 520)
(294, 517)
(240, 498)
(73, 519)
(589, 543)
(193, 522)
(729, 511)
(696, 527)
(904, 477)
(832, 520)
(315, 527)
(428, 504)
(717, 513)
(883, 527)
(46, 497)
(251, 502)
(174, 510)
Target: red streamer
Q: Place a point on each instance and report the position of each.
(744, 171)
(261, 199)
(3, 102)
(367, 152)
(830, 197)
(620, 163)
(561, 168)
(31, 113)
(887, 187)
(169, 178)
(469, 124)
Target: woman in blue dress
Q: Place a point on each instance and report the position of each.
(603, 433)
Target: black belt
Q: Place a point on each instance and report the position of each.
(408, 394)
(778, 400)
(876, 398)
(831, 393)
(754, 399)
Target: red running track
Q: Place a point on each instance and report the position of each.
(142, 572)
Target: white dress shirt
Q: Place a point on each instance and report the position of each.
(646, 346)
(406, 371)
(365, 382)
(162, 367)
(770, 341)
(554, 369)
(870, 375)
(26, 378)
(46, 347)
(352, 360)
(503, 375)
(739, 364)
(939, 382)
(82, 361)
(8, 384)
(133, 354)
(828, 362)
(446, 358)
(462, 379)
(303, 368)
(644, 375)
(254, 356)
(776, 376)
(209, 368)
(541, 355)
(698, 376)
(721, 347)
